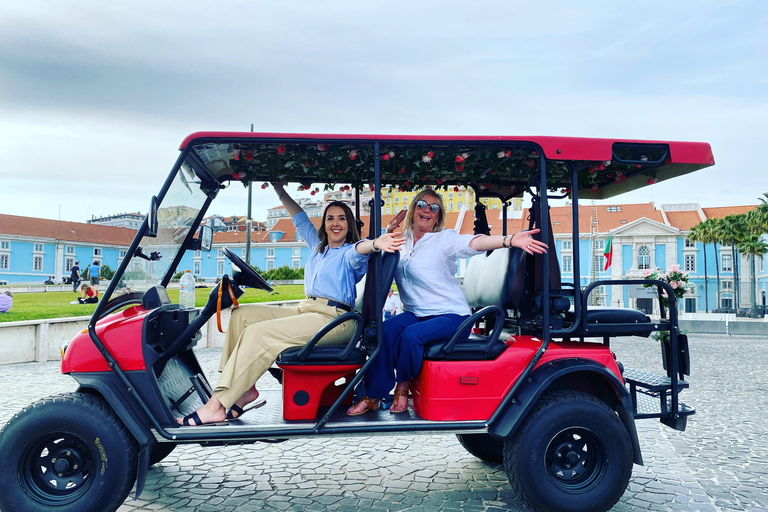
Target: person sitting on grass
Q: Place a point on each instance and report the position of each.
(88, 294)
(6, 301)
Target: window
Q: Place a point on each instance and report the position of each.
(397, 209)
(5, 245)
(38, 248)
(270, 264)
(295, 264)
(388, 211)
(690, 263)
(450, 207)
(196, 268)
(397, 200)
(296, 251)
(271, 252)
(726, 285)
(97, 251)
(450, 195)
(220, 254)
(761, 264)
(689, 244)
(220, 267)
(600, 245)
(68, 264)
(5, 261)
(461, 194)
(690, 305)
(37, 264)
(70, 249)
(727, 263)
(567, 245)
(726, 302)
(643, 257)
(567, 264)
(614, 209)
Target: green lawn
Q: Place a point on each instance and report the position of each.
(36, 306)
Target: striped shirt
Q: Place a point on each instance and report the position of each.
(334, 273)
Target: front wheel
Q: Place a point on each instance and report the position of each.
(67, 453)
(572, 453)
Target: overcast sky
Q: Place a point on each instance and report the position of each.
(96, 96)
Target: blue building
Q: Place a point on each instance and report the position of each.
(32, 250)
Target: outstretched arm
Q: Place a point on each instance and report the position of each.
(523, 240)
(290, 205)
(388, 242)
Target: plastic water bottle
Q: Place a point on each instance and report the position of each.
(187, 290)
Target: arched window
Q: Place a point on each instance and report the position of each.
(643, 257)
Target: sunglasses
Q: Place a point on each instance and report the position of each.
(422, 205)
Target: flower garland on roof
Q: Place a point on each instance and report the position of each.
(496, 168)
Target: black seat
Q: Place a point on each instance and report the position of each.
(310, 354)
(475, 347)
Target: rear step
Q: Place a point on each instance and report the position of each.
(651, 398)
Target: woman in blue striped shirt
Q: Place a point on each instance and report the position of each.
(258, 333)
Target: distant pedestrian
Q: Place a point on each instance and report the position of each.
(391, 306)
(6, 301)
(88, 294)
(75, 277)
(94, 271)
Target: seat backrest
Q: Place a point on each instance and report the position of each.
(491, 278)
(389, 261)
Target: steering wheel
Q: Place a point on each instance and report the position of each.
(246, 276)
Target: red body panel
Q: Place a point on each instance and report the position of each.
(570, 148)
(473, 390)
(121, 334)
(306, 388)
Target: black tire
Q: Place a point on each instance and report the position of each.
(572, 453)
(483, 446)
(68, 453)
(160, 451)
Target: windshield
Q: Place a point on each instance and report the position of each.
(176, 215)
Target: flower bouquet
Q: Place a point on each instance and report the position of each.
(676, 278)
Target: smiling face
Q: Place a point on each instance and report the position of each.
(336, 226)
(425, 220)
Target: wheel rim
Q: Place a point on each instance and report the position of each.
(575, 460)
(57, 469)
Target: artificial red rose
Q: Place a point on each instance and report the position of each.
(460, 167)
(402, 170)
(280, 149)
(459, 159)
(530, 163)
(431, 154)
(353, 154)
(248, 156)
(264, 185)
(601, 167)
(385, 156)
(236, 154)
(322, 147)
(594, 188)
(508, 152)
(440, 181)
(650, 181)
(455, 189)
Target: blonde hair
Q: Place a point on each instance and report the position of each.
(440, 225)
(84, 286)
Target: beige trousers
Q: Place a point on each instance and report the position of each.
(257, 334)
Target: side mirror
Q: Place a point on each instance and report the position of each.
(206, 238)
(152, 218)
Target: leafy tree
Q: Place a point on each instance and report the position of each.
(699, 234)
(107, 273)
(733, 230)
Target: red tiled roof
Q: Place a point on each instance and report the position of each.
(65, 230)
(684, 220)
(719, 212)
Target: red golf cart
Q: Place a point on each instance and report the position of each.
(535, 386)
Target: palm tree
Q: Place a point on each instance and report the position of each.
(732, 230)
(713, 230)
(753, 246)
(699, 234)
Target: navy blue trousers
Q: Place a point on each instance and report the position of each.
(402, 349)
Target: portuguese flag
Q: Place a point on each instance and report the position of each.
(608, 253)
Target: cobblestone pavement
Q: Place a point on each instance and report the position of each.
(718, 464)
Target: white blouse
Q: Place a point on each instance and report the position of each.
(426, 274)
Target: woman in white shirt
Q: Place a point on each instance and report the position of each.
(433, 302)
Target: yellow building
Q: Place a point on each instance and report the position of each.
(394, 201)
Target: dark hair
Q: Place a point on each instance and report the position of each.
(352, 234)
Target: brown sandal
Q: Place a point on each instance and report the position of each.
(400, 392)
(369, 402)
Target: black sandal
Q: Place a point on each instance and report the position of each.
(236, 409)
(198, 423)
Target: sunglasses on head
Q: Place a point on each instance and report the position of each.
(422, 205)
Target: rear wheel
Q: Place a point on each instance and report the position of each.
(483, 446)
(572, 453)
(68, 453)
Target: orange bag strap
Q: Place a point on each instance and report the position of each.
(235, 305)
